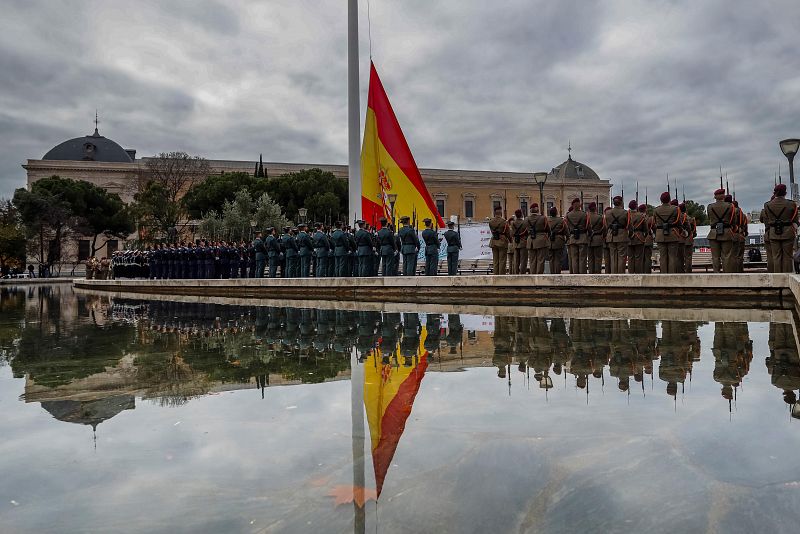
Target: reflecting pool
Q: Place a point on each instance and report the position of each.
(190, 415)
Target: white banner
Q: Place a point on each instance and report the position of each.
(474, 243)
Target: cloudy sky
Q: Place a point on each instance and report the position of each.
(641, 88)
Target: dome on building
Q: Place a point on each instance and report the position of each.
(93, 147)
(573, 170)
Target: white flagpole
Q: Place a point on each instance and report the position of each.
(353, 111)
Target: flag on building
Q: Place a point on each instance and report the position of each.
(387, 165)
(389, 392)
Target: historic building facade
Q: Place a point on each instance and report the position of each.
(467, 194)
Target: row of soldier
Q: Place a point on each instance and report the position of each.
(296, 252)
(619, 239)
(585, 348)
(623, 239)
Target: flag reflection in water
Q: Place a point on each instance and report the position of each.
(391, 383)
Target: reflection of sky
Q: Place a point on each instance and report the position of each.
(474, 457)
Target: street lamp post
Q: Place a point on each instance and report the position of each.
(789, 148)
(540, 178)
(301, 214)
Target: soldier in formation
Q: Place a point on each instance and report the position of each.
(780, 220)
(538, 240)
(618, 241)
(501, 237)
(577, 222)
(453, 239)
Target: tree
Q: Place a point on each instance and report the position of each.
(212, 193)
(295, 190)
(12, 237)
(235, 221)
(698, 211)
(161, 184)
(46, 219)
(92, 211)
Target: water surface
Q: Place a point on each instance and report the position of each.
(125, 415)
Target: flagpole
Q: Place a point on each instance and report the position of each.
(353, 111)
(354, 201)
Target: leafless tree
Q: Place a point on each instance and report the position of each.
(176, 172)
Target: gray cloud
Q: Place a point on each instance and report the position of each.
(641, 88)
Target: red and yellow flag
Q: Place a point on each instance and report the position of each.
(389, 393)
(387, 166)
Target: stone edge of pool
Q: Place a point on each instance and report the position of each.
(757, 290)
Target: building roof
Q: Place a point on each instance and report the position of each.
(93, 147)
(573, 170)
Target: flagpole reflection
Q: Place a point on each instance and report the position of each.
(357, 412)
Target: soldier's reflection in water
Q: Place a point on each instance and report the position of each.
(409, 345)
(674, 353)
(503, 341)
(390, 333)
(581, 362)
(433, 333)
(622, 358)
(455, 331)
(263, 344)
(733, 352)
(643, 338)
(783, 364)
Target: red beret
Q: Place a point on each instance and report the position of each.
(728, 198)
(632, 205)
(518, 213)
(719, 191)
(780, 189)
(643, 208)
(682, 206)
(592, 206)
(575, 201)
(673, 202)
(616, 198)
(553, 212)
(534, 206)
(665, 196)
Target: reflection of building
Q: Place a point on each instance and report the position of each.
(91, 412)
(468, 194)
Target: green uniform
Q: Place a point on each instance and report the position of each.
(453, 240)
(386, 243)
(410, 248)
(364, 251)
(431, 240)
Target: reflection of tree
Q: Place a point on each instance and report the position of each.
(12, 307)
(55, 350)
(169, 379)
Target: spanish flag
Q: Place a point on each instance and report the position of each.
(389, 392)
(387, 166)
